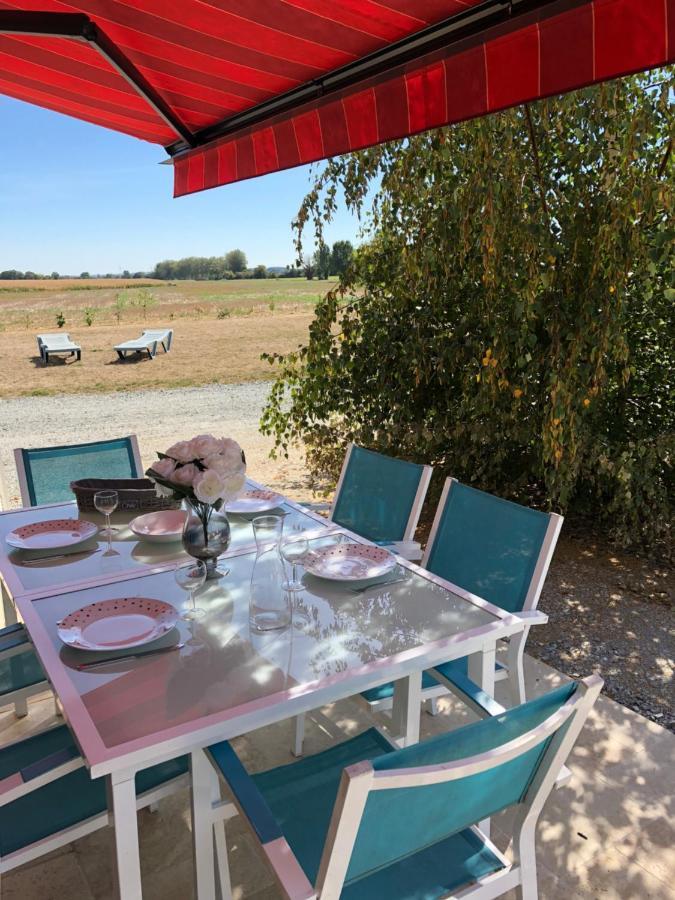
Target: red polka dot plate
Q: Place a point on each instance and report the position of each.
(51, 535)
(117, 624)
(255, 501)
(348, 562)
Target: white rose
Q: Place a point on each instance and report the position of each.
(204, 445)
(233, 485)
(224, 466)
(208, 486)
(181, 452)
(164, 468)
(185, 475)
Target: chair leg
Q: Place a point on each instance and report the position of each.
(514, 659)
(299, 736)
(222, 861)
(57, 707)
(21, 708)
(527, 860)
(432, 706)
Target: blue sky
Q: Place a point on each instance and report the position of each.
(76, 197)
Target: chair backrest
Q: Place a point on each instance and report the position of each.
(402, 802)
(45, 473)
(379, 497)
(491, 547)
(54, 340)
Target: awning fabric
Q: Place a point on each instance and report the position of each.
(209, 63)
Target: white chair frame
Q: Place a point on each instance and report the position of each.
(14, 786)
(519, 873)
(408, 548)
(21, 468)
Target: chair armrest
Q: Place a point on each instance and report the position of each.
(36, 775)
(253, 806)
(533, 616)
(410, 550)
(316, 505)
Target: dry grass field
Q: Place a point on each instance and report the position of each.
(220, 330)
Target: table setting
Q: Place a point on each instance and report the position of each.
(228, 608)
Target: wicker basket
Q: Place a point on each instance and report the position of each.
(133, 493)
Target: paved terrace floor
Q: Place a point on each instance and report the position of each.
(607, 834)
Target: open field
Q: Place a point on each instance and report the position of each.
(220, 330)
(34, 305)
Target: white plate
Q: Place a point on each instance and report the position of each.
(348, 562)
(51, 535)
(117, 624)
(255, 501)
(159, 527)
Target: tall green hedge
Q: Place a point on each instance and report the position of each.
(509, 315)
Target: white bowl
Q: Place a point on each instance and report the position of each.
(159, 527)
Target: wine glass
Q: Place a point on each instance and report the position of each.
(106, 503)
(293, 550)
(189, 578)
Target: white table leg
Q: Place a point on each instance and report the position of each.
(122, 805)
(406, 709)
(481, 670)
(8, 608)
(204, 790)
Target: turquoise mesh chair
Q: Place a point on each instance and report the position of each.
(499, 551)
(380, 498)
(21, 675)
(45, 473)
(47, 798)
(364, 820)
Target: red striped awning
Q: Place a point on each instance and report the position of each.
(239, 88)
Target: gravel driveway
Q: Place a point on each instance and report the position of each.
(158, 418)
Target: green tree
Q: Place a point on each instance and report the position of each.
(55, 276)
(322, 261)
(340, 257)
(260, 272)
(235, 261)
(510, 317)
(85, 275)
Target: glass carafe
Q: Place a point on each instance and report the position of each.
(269, 604)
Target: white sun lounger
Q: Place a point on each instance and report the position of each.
(147, 342)
(57, 344)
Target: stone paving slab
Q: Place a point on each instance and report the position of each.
(608, 834)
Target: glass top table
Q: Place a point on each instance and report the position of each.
(226, 679)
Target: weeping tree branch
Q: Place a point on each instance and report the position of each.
(666, 157)
(537, 164)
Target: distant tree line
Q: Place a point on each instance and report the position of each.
(234, 264)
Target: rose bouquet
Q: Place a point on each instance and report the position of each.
(206, 470)
(206, 473)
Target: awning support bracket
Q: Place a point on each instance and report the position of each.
(78, 27)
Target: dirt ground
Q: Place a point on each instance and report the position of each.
(204, 351)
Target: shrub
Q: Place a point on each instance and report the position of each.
(60, 320)
(509, 318)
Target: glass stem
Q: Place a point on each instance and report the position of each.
(107, 521)
(294, 573)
